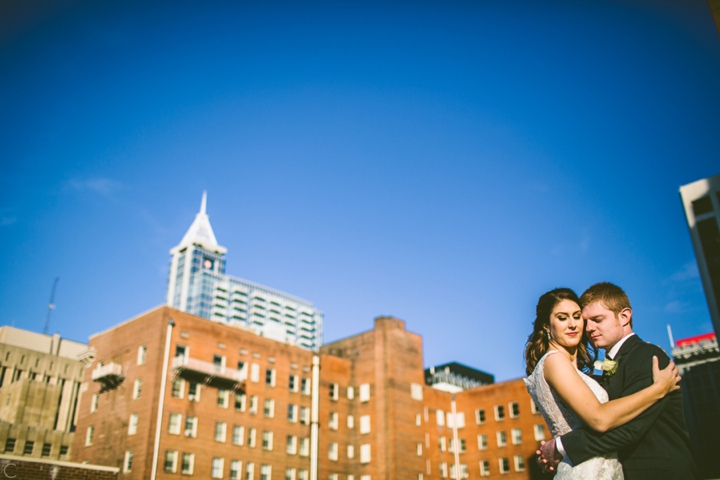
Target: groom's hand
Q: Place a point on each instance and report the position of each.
(548, 456)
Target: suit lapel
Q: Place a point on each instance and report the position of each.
(614, 384)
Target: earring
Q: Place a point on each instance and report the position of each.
(548, 334)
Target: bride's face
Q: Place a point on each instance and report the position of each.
(566, 324)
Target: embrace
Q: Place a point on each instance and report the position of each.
(640, 432)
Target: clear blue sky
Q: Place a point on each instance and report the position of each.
(443, 162)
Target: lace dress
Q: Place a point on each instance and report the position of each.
(561, 420)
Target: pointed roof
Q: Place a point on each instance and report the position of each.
(200, 232)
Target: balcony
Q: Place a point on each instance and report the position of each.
(208, 373)
(110, 376)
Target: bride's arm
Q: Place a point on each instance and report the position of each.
(560, 374)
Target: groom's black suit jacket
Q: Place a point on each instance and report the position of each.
(653, 446)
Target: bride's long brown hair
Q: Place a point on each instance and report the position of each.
(538, 343)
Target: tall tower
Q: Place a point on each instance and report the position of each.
(701, 200)
(197, 284)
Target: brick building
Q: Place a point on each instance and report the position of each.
(241, 406)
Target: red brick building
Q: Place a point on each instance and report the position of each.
(236, 405)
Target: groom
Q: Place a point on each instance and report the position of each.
(655, 445)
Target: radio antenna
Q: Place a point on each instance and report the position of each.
(51, 306)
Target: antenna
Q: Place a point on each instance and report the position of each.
(670, 337)
(51, 306)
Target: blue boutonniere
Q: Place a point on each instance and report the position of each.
(609, 367)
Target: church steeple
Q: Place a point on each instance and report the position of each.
(200, 232)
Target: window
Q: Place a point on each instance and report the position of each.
(484, 468)
(291, 446)
(220, 431)
(10, 445)
(365, 392)
(350, 451)
(188, 464)
(171, 461)
(253, 405)
(292, 413)
(458, 420)
(64, 449)
(418, 420)
(305, 386)
(267, 440)
(365, 453)
(440, 416)
(501, 438)
(462, 445)
(223, 398)
(533, 407)
(178, 388)
(514, 409)
(46, 450)
(539, 432)
(305, 415)
(442, 443)
(235, 469)
(303, 475)
(443, 470)
(499, 412)
(250, 471)
(240, 402)
(290, 474)
(418, 449)
(334, 420)
(238, 435)
(702, 206)
(304, 449)
(194, 392)
(137, 388)
(142, 351)
(463, 471)
(89, 433)
(351, 421)
(334, 390)
(174, 423)
(254, 372)
(252, 434)
(350, 393)
(270, 377)
(132, 424)
(269, 408)
(191, 424)
(516, 435)
(365, 424)
(219, 363)
(127, 461)
(504, 465)
(416, 392)
(519, 463)
(181, 351)
(480, 416)
(218, 465)
(333, 451)
(94, 402)
(293, 383)
(482, 442)
(265, 472)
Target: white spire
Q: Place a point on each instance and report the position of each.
(200, 232)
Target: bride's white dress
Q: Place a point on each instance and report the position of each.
(561, 420)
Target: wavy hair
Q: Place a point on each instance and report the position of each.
(538, 343)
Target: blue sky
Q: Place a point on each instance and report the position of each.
(443, 162)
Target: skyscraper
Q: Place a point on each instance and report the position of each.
(701, 200)
(197, 284)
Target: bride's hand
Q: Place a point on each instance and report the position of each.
(667, 379)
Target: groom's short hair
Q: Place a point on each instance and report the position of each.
(612, 296)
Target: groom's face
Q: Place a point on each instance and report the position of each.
(603, 326)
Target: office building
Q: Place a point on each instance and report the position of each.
(172, 395)
(197, 284)
(701, 201)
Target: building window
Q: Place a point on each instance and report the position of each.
(269, 408)
(365, 424)
(235, 469)
(240, 402)
(533, 407)
(46, 450)
(293, 383)
(267, 440)
(291, 447)
(265, 472)
(499, 412)
(194, 392)
(132, 424)
(350, 451)
(178, 388)
(94, 402)
(127, 461)
(482, 442)
(480, 416)
(457, 420)
(418, 449)
(220, 431)
(334, 420)
(250, 471)
(89, 434)
(462, 445)
(516, 435)
(238, 435)
(334, 391)
(305, 386)
(514, 409)
(171, 461)
(350, 393)
(304, 415)
(501, 438)
(303, 475)
(254, 372)
(463, 471)
(188, 464)
(333, 451)
(218, 465)
(351, 421)
(519, 463)
(64, 449)
(290, 474)
(365, 392)
(418, 420)
(443, 470)
(270, 377)
(252, 434)
(440, 417)
(484, 468)
(443, 443)
(504, 465)
(304, 449)
(10, 445)
(137, 388)
(365, 453)
(223, 398)
(416, 391)
(539, 432)
(174, 423)
(142, 351)
(253, 405)
(191, 424)
(292, 414)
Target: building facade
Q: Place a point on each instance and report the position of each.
(701, 201)
(197, 284)
(40, 379)
(172, 395)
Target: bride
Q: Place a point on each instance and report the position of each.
(556, 356)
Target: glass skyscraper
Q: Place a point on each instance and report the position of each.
(197, 284)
